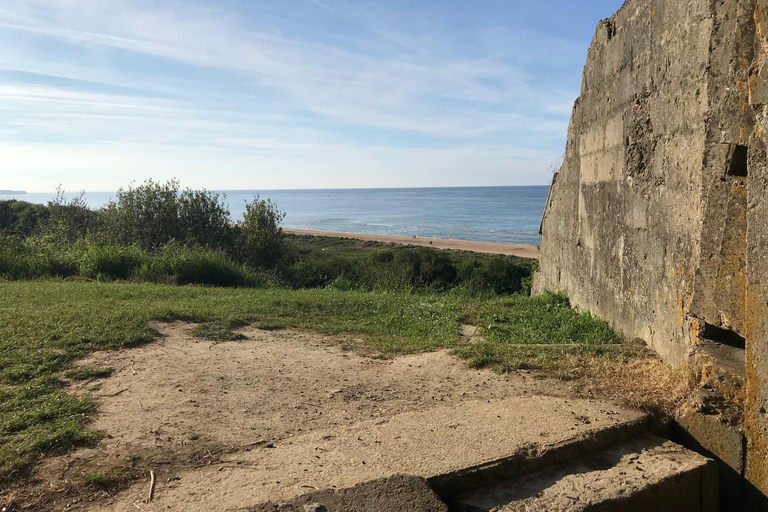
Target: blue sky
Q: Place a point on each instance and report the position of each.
(262, 94)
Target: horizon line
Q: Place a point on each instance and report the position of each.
(292, 189)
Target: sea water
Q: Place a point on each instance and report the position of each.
(484, 214)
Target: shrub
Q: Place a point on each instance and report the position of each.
(263, 240)
(318, 271)
(427, 267)
(527, 282)
(15, 262)
(204, 219)
(109, 261)
(68, 221)
(154, 214)
(385, 256)
(195, 265)
(21, 217)
(32, 258)
(502, 276)
(498, 274)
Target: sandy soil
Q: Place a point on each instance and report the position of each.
(523, 251)
(232, 424)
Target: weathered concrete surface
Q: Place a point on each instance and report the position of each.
(658, 218)
(432, 444)
(652, 138)
(756, 307)
(644, 474)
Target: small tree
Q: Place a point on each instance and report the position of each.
(146, 215)
(204, 219)
(263, 238)
(153, 214)
(21, 217)
(70, 220)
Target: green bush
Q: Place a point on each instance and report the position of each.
(31, 258)
(154, 214)
(499, 275)
(385, 256)
(109, 261)
(21, 217)
(195, 265)
(146, 215)
(527, 282)
(318, 271)
(204, 219)
(263, 241)
(427, 268)
(68, 221)
(15, 261)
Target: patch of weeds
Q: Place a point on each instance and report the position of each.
(547, 319)
(269, 326)
(88, 372)
(562, 362)
(105, 480)
(219, 331)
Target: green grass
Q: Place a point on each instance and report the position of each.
(219, 331)
(104, 479)
(48, 325)
(541, 333)
(88, 372)
(545, 319)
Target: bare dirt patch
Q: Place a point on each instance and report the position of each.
(231, 424)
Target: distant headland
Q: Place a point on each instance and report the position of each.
(12, 192)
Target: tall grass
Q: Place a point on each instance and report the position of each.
(178, 264)
(378, 267)
(32, 258)
(108, 260)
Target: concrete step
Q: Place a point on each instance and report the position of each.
(722, 368)
(433, 455)
(643, 474)
(711, 419)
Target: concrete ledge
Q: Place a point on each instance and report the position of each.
(644, 474)
(533, 457)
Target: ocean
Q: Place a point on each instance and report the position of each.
(509, 215)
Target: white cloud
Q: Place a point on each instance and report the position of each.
(380, 79)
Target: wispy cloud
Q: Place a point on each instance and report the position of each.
(323, 79)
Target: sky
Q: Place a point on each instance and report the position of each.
(288, 94)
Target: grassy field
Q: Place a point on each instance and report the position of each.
(49, 324)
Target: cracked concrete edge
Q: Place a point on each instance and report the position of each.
(532, 457)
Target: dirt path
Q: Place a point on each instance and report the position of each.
(523, 251)
(233, 424)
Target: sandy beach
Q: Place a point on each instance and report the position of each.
(523, 251)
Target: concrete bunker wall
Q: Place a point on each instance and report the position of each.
(658, 217)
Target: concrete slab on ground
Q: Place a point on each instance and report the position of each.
(647, 473)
